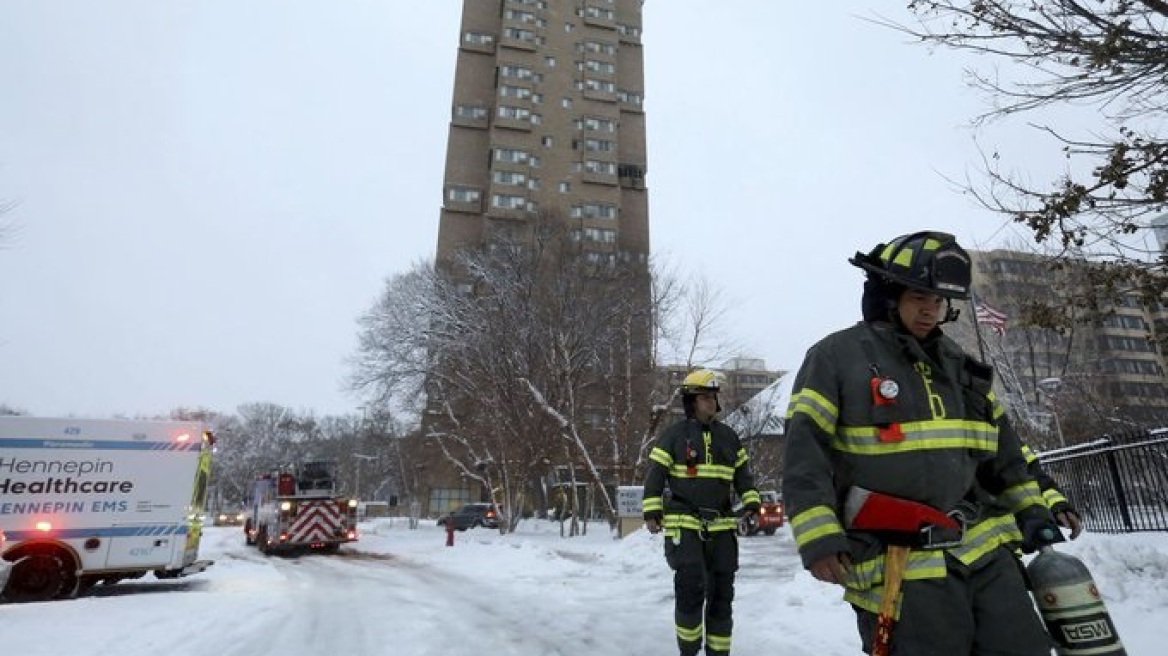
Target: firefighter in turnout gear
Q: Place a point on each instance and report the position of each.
(704, 464)
(902, 473)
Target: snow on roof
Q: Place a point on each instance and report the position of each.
(763, 413)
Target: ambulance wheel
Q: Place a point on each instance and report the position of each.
(39, 577)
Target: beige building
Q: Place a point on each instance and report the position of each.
(547, 129)
(1093, 377)
(547, 124)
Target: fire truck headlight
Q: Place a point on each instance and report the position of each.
(285, 506)
(352, 503)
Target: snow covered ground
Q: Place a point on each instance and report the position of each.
(402, 592)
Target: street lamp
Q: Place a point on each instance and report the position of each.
(1049, 388)
(360, 457)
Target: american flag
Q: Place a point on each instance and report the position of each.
(995, 319)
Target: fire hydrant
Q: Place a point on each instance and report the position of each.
(450, 530)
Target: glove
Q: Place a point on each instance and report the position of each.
(653, 523)
(1067, 517)
(1039, 532)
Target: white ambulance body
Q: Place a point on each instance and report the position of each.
(87, 501)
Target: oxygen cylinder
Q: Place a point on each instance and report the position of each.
(1071, 606)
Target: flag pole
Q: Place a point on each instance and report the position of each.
(976, 327)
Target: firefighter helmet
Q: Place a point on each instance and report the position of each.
(700, 381)
(928, 261)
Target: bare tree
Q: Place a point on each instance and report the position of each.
(526, 357)
(1110, 54)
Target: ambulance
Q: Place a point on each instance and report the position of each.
(87, 501)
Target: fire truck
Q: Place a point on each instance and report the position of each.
(298, 508)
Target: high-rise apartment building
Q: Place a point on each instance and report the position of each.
(1104, 372)
(547, 125)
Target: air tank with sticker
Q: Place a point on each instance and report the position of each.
(1071, 606)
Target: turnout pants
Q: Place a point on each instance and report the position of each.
(703, 588)
(983, 612)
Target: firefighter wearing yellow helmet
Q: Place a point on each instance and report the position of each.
(902, 472)
(704, 465)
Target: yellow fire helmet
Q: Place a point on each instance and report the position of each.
(699, 381)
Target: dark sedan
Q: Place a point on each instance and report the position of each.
(472, 515)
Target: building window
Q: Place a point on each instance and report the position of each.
(630, 97)
(479, 38)
(565, 187)
(597, 166)
(519, 15)
(596, 124)
(518, 72)
(593, 66)
(508, 177)
(599, 145)
(512, 155)
(550, 62)
(629, 30)
(508, 202)
(463, 195)
(508, 91)
(598, 47)
(600, 235)
(566, 103)
(593, 211)
(517, 113)
(470, 111)
(602, 14)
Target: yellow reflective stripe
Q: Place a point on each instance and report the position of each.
(688, 633)
(650, 504)
(869, 600)
(985, 536)
(1028, 453)
(704, 471)
(1052, 497)
(814, 523)
(718, 642)
(751, 496)
(919, 436)
(679, 521)
(741, 458)
(1021, 496)
(922, 564)
(816, 407)
(661, 457)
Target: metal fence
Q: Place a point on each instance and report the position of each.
(1118, 483)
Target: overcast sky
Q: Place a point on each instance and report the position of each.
(210, 193)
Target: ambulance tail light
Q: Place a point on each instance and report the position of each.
(44, 526)
(183, 437)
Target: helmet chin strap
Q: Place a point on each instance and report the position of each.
(951, 313)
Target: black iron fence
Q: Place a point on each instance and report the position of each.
(1118, 483)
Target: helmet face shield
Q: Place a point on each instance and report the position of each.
(928, 261)
(951, 273)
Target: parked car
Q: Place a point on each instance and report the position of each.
(229, 518)
(472, 515)
(769, 519)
